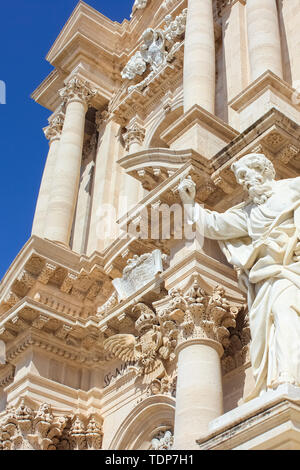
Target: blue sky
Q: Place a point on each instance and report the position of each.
(28, 29)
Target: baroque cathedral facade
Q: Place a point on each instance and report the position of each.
(121, 331)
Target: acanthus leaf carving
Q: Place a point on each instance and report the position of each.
(200, 315)
(134, 134)
(23, 428)
(77, 89)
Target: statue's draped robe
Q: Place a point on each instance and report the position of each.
(260, 241)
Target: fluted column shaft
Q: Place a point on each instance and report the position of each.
(203, 320)
(263, 38)
(67, 170)
(199, 396)
(53, 133)
(199, 56)
(106, 172)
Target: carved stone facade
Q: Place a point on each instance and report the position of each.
(113, 337)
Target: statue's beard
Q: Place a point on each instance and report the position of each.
(259, 191)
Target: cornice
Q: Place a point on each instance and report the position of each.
(90, 22)
(156, 164)
(46, 94)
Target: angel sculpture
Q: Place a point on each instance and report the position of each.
(155, 343)
(153, 51)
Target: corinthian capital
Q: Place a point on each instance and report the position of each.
(135, 135)
(78, 90)
(202, 316)
(53, 131)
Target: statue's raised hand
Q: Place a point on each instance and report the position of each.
(187, 190)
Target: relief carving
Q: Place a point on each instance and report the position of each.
(159, 47)
(151, 349)
(22, 428)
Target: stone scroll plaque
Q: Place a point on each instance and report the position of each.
(138, 272)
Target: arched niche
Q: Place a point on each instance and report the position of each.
(163, 121)
(152, 415)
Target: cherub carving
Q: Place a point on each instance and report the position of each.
(153, 49)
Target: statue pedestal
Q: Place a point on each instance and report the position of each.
(269, 422)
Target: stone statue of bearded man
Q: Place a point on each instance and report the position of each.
(260, 237)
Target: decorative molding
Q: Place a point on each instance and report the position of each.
(7, 374)
(104, 309)
(46, 273)
(288, 153)
(62, 345)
